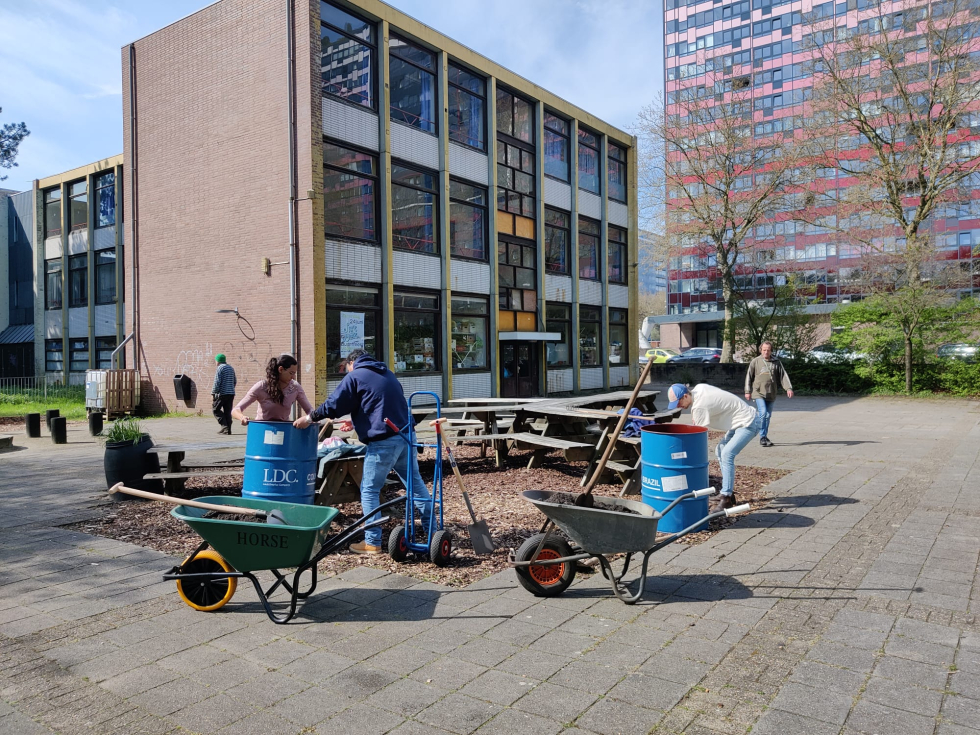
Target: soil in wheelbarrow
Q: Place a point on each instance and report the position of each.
(597, 503)
(495, 493)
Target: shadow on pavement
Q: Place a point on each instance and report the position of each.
(811, 501)
(783, 520)
(809, 444)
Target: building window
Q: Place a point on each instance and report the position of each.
(347, 52)
(54, 357)
(617, 173)
(417, 329)
(467, 108)
(413, 210)
(353, 315)
(469, 333)
(467, 220)
(78, 280)
(105, 199)
(588, 249)
(515, 116)
(558, 318)
(350, 185)
(78, 205)
(413, 84)
(52, 212)
(52, 284)
(618, 337)
(617, 254)
(515, 180)
(105, 276)
(556, 145)
(557, 235)
(78, 355)
(588, 161)
(516, 275)
(589, 335)
(104, 347)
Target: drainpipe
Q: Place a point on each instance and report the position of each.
(135, 333)
(291, 84)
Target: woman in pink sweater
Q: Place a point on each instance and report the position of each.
(276, 394)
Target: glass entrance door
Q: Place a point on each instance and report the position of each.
(519, 370)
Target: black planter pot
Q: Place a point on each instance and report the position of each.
(127, 462)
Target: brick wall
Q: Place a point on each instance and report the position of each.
(213, 186)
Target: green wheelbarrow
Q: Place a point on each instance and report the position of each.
(232, 549)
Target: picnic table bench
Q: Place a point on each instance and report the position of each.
(177, 472)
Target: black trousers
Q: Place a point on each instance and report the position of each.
(221, 407)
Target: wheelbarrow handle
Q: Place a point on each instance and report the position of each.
(738, 509)
(687, 496)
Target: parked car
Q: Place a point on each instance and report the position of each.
(657, 354)
(698, 354)
(958, 351)
(830, 353)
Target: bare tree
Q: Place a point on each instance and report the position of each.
(781, 320)
(894, 116)
(720, 180)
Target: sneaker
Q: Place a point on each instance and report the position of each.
(224, 430)
(363, 547)
(764, 441)
(721, 502)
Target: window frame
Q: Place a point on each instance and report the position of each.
(564, 325)
(514, 99)
(99, 189)
(505, 291)
(434, 193)
(52, 196)
(483, 122)
(550, 226)
(583, 220)
(77, 345)
(73, 269)
(99, 267)
(72, 196)
(582, 322)
(52, 266)
(503, 156)
(392, 54)
(51, 347)
(484, 209)
(437, 328)
(622, 246)
(104, 345)
(336, 306)
(619, 324)
(619, 163)
(375, 178)
(375, 57)
(583, 144)
(485, 300)
(566, 137)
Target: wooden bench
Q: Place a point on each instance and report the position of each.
(573, 451)
(176, 472)
(340, 482)
(193, 473)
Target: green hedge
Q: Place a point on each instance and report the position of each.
(951, 377)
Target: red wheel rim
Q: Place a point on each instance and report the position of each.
(549, 575)
(445, 547)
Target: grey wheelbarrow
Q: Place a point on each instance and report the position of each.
(546, 563)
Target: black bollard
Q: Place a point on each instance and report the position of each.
(95, 423)
(59, 430)
(33, 423)
(50, 414)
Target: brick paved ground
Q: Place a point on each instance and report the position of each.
(848, 606)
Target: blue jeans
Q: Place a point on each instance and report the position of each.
(764, 408)
(730, 445)
(381, 458)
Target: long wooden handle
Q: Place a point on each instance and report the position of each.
(619, 427)
(437, 425)
(120, 488)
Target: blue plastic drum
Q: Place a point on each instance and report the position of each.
(280, 462)
(674, 458)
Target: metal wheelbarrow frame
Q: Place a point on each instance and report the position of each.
(595, 532)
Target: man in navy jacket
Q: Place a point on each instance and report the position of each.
(371, 393)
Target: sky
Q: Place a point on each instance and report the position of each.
(60, 62)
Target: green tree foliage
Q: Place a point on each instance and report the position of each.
(11, 135)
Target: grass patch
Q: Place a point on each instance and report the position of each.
(69, 400)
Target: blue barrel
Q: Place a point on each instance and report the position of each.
(280, 462)
(675, 461)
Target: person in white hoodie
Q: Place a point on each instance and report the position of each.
(719, 410)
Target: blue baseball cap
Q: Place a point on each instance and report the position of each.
(675, 393)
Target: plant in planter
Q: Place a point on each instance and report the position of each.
(127, 458)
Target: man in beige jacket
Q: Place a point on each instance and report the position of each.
(764, 373)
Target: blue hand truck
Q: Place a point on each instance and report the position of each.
(402, 539)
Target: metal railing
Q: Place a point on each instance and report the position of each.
(41, 388)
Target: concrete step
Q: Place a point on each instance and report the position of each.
(6, 442)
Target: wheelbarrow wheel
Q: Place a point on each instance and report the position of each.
(206, 595)
(441, 548)
(397, 545)
(550, 580)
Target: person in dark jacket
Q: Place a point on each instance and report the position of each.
(371, 393)
(223, 393)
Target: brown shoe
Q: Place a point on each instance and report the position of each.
(362, 547)
(721, 502)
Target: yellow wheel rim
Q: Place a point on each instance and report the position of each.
(206, 595)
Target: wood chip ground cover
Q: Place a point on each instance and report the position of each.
(495, 493)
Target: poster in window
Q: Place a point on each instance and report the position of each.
(351, 332)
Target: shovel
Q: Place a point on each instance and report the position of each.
(273, 517)
(478, 530)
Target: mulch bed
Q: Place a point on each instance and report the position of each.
(495, 494)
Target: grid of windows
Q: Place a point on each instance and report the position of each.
(414, 197)
(515, 116)
(467, 108)
(350, 187)
(515, 179)
(412, 72)
(348, 50)
(516, 273)
(54, 356)
(588, 161)
(467, 220)
(556, 146)
(557, 237)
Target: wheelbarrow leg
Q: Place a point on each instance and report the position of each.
(620, 589)
(275, 618)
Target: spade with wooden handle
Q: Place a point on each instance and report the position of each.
(478, 530)
(273, 517)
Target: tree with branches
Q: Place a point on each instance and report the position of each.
(11, 135)
(715, 179)
(895, 117)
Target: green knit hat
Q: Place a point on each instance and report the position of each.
(220, 357)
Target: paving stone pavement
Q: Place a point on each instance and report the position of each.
(849, 605)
